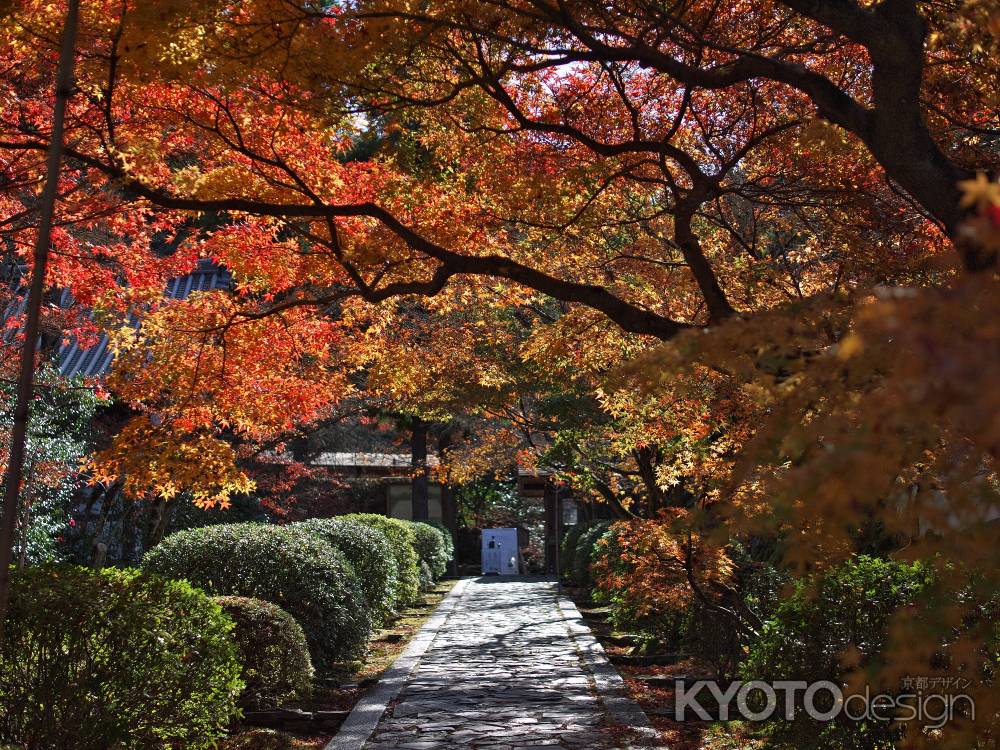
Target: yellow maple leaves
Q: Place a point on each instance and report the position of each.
(980, 192)
(161, 461)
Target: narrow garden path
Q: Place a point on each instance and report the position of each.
(505, 671)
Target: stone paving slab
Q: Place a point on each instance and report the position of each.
(505, 671)
(365, 716)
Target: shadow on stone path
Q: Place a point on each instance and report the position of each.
(504, 673)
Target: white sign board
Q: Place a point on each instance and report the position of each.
(501, 555)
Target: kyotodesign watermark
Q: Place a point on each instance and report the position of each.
(823, 701)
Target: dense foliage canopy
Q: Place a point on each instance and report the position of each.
(728, 268)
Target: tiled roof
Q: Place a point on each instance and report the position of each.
(370, 460)
(95, 360)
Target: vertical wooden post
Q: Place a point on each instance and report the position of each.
(557, 502)
(26, 378)
(550, 497)
(421, 483)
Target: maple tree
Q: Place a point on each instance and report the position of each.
(737, 259)
(15, 459)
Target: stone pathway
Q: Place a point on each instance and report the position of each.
(503, 673)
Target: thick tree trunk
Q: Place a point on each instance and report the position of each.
(26, 378)
(154, 512)
(898, 136)
(163, 510)
(168, 515)
(88, 511)
(647, 458)
(421, 481)
(22, 557)
(894, 127)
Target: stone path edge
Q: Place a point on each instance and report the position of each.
(364, 717)
(610, 686)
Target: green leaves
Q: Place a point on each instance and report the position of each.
(90, 659)
(289, 567)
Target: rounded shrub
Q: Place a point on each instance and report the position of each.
(449, 542)
(843, 610)
(659, 626)
(272, 650)
(431, 548)
(370, 552)
(289, 567)
(584, 550)
(847, 607)
(91, 660)
(403, 540)
(426, 577)
(567, 550)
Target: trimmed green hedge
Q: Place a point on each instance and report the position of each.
(289, 567)
(846, 609)
(91, 660)
(426, 577)
(449, 542)
(272, 650)
(369, 550)
(402, 538)
(431, 547)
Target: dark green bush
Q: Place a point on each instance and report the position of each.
(583, 552)
(711, 636)
(848, 606)
(369, 550)
(431, 548)
(92, 660)
(272, 650)
(289, 567)
(608, 556)
(577, 549)
(403, 540)
(426, 577)
(845, 609)
(567, 550)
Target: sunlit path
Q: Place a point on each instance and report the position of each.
(502, 672)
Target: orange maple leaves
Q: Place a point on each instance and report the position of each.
(657, 565)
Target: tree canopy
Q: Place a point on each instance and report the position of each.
(731, 263)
